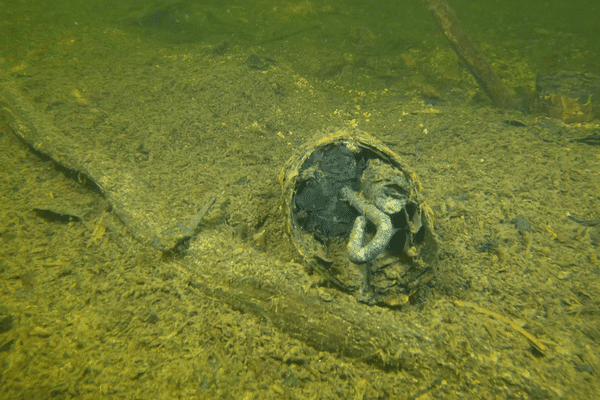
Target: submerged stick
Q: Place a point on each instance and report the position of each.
(536, 343)
(476, 63)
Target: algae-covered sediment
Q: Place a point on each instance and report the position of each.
(91, 308)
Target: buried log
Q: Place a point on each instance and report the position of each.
(323, 318)
(469, 54)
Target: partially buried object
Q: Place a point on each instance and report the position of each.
(355, 213)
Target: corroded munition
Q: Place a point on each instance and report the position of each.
(355, 213)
